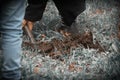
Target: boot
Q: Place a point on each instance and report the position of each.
(69, 30)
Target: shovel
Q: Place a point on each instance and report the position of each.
(30, 35)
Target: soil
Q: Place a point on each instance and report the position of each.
(56, 47)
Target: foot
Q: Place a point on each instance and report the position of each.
(68, 30)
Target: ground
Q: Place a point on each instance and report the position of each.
(93, 54)
(88, 55)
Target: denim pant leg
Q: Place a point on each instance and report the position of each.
(11, 16)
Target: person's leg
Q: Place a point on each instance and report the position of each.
(34, 12)
(69, 9)
(11, 16)
(35, 9)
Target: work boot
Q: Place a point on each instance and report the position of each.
(68, 30)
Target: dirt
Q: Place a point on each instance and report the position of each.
(57, 47)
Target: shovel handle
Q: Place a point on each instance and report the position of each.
(29, 33)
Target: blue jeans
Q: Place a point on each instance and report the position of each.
(11, 16)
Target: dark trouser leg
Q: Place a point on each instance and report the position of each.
(37, 8)
(69, 9)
